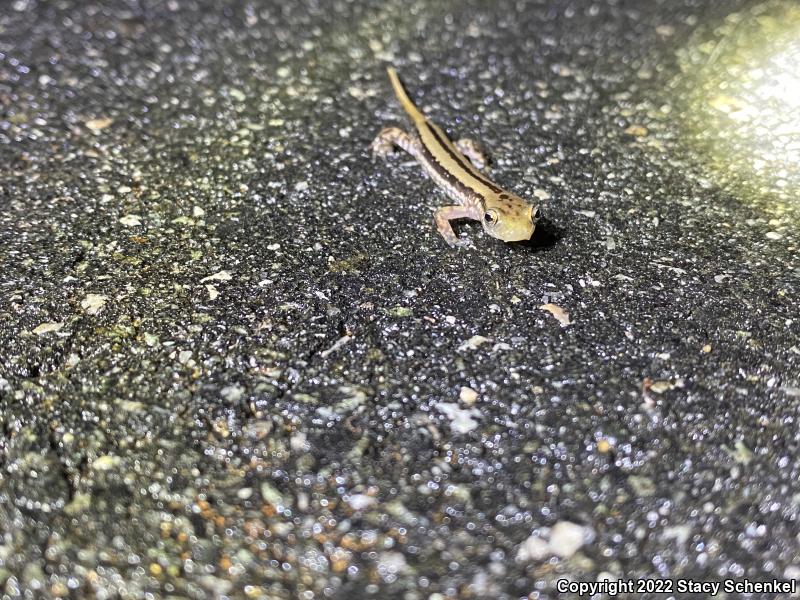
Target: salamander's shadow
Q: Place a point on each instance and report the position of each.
(546, 235)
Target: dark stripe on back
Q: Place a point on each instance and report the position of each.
(448, 176)
(461, 160)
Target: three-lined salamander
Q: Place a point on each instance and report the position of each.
(455, 168)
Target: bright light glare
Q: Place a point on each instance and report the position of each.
(743, 112)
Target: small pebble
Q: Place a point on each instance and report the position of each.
(468, 396)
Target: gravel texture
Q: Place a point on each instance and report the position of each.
(237, 360)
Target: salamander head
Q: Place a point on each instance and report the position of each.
(509, 218)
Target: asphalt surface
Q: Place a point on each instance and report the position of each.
(237, 360)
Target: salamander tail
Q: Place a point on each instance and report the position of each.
(402, 96)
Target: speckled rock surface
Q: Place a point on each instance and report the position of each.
(236, 359)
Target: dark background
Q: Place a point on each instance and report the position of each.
(168, 433)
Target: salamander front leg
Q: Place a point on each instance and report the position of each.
(443, 216)
(394, 137)
(473, 151)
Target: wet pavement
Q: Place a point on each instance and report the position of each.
(238, 361)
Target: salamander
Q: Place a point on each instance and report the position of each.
(455, 168)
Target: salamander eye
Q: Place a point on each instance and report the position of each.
(490, 216)
(535, 213)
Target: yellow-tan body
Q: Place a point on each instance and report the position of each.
(455, 169)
